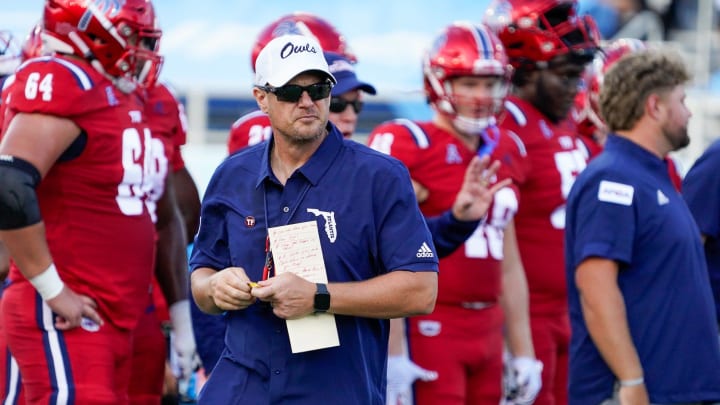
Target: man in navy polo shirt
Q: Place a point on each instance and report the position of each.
(641, 309)
(377, 250)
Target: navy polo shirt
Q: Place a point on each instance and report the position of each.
(624, 207)
(377, 228)
(701, 189)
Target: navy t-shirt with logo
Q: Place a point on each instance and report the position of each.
(624, 207)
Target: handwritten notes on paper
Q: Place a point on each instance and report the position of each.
(296, 249)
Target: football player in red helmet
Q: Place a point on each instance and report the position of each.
(173, 201)
(549, 46)
(466, 80)
(73, 179)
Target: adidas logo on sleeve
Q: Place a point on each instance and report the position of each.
(425, 251)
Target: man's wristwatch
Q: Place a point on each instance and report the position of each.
(322, 298)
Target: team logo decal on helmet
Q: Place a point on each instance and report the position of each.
(120, 38)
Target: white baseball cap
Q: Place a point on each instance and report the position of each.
(286, 57)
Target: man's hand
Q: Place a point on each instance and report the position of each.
(74, 310)
(401, 374)
(229, 289)
(290, 295)
(475, 196)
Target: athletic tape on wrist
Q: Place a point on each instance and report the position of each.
(48, 283)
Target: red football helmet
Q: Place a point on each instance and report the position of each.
(536, 31)
(303, 23)
(119, 38)
(616, 49)
(9, 54)
(465, 49)
(611, 53)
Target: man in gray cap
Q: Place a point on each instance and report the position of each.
(376, 253)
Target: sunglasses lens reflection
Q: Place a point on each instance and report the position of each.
(293, 92)
(338, 105)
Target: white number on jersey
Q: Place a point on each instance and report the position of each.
(569, 164)
(156, 173)
(136, 172)
(258, 133)
(487, 240)
(182, 117)
(383, 142)
(35, 84)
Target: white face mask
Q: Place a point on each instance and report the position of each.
(472, 126)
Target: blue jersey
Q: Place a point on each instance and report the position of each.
(701, 189)
(376, 228)
(624, 207)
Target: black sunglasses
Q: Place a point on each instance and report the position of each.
(338, 105)
(292, 92)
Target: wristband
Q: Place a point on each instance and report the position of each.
(48, 283)
(633, 382)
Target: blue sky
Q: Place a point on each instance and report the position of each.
(207, 43)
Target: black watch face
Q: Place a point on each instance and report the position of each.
(322, 302)
(322, 299)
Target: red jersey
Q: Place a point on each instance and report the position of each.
(250, 129)
(587, 137)
(437, 160)
(555, 156)
(93, 203)
(168, 123)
